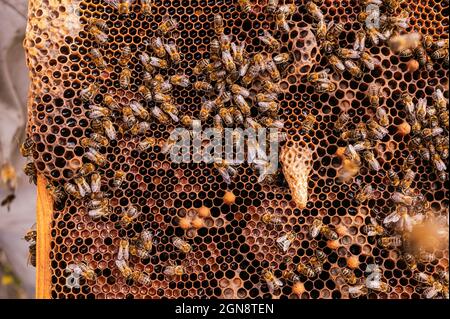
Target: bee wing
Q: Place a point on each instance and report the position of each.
(422, 277)
(391, 218)
(271, 286)
(430, 292)
(278, 282)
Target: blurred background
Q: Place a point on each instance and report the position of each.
(17, 213)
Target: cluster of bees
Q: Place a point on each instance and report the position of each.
(241, 90)
(429, 129)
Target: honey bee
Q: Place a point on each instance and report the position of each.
(174, 270)
(281, 22)
(146, 143)
(124, 250)
(83, 186)
(282, 58)
(89, 93)
(271, 107)
(31, 237)
(402, 42)
(125, 78)
(357, 291)
(349, 276)
(94, 156)
(82, 269)
(170, 110)
(173, 53)
(369, 157)
(273, 283)
(321, 32)
(146, 94)
(215, 49)
(200, 66)
(375, 36)
(425, 256)
(228, 62)
(98, 112)
(337, 64)
(218, 126)
(316, 262)
(407, 102)
(382, 116)
(272, 6)
(157, 47)
(141, 277)
(203, 86)
(360, 42)
(366, 193)
(159, 115)
(271, 123)
(314, 11)
(182, 245)
(99, 36)
(69, 188)
(189, 122)
(271, 219)
(245, 6)
(359, 133)
(341, 122)
(206, 109)
(407, 53)
(305, 270)
(226, 116)
(374, 229)
(376, 130)
(351, 153)
(128, 116)
(440, 54)
(119, 178)
(145, 60)
(308, 123)
(321, 76)
(124, 7)
(348, 53)
(124, 268)
(379, 286)
(97, 58)
(157, 62)
(375, 92)
(129, 216)
(109, 102)
(180, 80)
(167, 26)
(125, 56)
(442, 145)
(87, 142)
(109, 129)
(423, 58)
(353, 68)
(290, 276)
(250, 76)
(325, 87)
(96, 183)
(97, 203)
(242, 104)
(26, 148)
(318, 227)
(369, 61)
(139, 110)
(438, 163)
(225, 169)
(390, 242)
(30, 170)
(218, 24)
(410, 261)
(393, 178)
(57, 193)
(97, 127)
(238, 51)
(272, 43)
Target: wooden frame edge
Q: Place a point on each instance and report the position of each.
(44, 212)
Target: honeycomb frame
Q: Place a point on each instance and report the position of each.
(235, 245)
